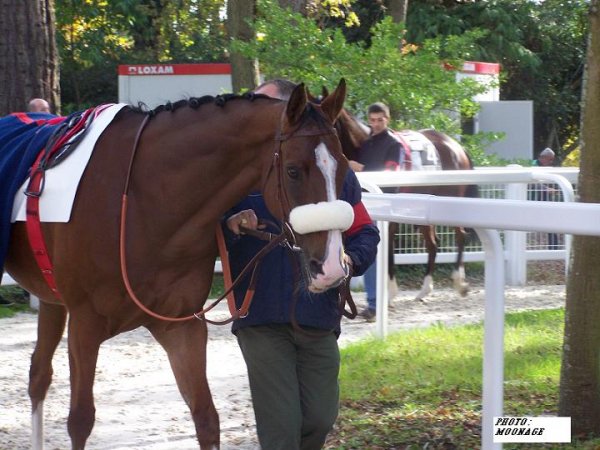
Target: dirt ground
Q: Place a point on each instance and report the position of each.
(138, 405)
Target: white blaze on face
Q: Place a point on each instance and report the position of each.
(334, 269)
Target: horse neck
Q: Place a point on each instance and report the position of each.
(204, 161)
(351, 134)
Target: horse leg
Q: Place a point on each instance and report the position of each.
(87, 331)
(51, 325)
(458, 274)
(428, 232)
(185, 345)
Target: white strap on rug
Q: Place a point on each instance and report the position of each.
(62, 181)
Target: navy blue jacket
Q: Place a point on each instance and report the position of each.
(381, 151)
(275, 286)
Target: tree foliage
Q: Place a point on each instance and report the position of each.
(540, 46)
(97, 35)
(419, 89)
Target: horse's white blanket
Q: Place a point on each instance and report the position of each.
(62, 181)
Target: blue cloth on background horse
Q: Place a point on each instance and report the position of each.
(22, 137)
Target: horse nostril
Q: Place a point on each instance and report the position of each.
(316, 267)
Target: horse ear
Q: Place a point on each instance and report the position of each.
(333, 103)
(296, 104)
(324, 92)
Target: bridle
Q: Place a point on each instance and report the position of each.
(286, 237)
(277, 167)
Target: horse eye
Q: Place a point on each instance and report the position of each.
(293, 173)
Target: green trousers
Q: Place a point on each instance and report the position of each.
(294, 385)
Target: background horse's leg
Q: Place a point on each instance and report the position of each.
(458, 274)
(87, 330)
(428, 232)
(51, 325)
(185, 345)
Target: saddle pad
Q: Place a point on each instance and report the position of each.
(62, 181)
(423, 153)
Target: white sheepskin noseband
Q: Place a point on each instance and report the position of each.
(335, 215)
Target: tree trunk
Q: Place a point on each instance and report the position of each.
(580, 371)
(397, 9)
(244, 71)
(28, 56)
(146, 30)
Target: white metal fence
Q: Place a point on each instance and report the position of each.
(486, 217)
(509, 183)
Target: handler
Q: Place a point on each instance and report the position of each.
(293, 374)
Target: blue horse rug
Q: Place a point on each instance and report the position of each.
(22, 137)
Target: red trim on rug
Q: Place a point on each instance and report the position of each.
(361, 218)
(23, 117)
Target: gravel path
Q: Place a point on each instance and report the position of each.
(137, 403)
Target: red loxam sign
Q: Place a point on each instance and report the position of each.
(174, 69)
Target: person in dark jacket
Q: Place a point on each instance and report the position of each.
(293, 374)
(381, 151)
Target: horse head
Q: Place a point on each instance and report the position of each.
(303, 185)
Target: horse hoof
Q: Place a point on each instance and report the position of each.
(464, 290)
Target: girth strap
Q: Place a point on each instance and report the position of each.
(60, 144)
(34, 229)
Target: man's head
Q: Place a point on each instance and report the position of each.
(276, 88)
(378, 115)
(546, 157)
(38, 105)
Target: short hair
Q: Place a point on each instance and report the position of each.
(547, 152)
(379, 107)
(285, 87)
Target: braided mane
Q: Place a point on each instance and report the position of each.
(195, 102)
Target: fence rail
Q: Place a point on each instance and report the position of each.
(512, 182)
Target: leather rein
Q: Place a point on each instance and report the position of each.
(285, 238)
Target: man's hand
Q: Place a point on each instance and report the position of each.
(246, 219)
(356, 166)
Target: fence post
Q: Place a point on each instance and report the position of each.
(381, 309)
(515, 242)
(493, 353)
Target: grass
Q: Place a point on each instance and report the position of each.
(421, 388)
(12, 300)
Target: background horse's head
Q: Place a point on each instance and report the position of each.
(304, 183)
(352, 133)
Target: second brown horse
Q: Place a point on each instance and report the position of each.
(452, 156)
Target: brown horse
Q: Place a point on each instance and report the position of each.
(195, 159)
(452, 156)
